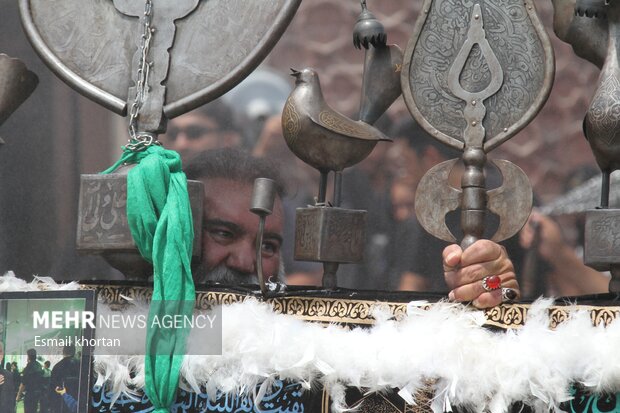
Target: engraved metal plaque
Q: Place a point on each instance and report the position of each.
(102, 214)
(330, 234)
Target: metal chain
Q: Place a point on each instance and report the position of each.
(139, 141)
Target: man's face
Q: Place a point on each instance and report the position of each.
(192, 133)
(403, 201)
(405, 161)
(229, 234)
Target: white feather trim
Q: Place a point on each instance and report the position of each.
(472, 366)
(9, 282)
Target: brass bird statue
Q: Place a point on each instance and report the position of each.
(319, 135)
(601, 125)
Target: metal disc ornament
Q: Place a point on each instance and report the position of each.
(212, 45)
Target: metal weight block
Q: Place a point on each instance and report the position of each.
(602, 238)
(330, 234)
(103, 228)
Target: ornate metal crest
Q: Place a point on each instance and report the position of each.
(445, 58)
(92, 45)
(476, 72)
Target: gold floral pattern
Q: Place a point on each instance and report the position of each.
(349, 311)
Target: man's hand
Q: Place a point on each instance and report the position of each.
(464, 272)
(551, 242)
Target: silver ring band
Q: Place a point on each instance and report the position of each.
(508, 295)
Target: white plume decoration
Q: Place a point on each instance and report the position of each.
(470, 365)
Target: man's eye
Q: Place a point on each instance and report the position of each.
(221, 234)
(270, 248)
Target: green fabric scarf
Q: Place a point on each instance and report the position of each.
(160, 220)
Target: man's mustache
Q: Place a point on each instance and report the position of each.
(225, 275)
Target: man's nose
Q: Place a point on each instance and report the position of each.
(243, 257)
(181, 141)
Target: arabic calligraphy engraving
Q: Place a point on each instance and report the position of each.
(514, 41)
(102, 215)
(284, 398)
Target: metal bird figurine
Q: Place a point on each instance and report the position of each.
(330, 141)
(594, 32)
(319, 135)
(601, 126)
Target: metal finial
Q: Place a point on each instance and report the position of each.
(263, 197)
(368, 30)
(591, 8)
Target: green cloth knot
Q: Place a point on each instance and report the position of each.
(160, 220)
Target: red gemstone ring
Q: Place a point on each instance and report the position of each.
(491, 283)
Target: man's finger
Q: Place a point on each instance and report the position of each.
(451, 257)
(482, 250)
(488, 299)
(478, 271)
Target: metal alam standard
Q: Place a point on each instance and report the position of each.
(473, 74)
(473, 96)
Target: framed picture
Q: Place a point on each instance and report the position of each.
(48, 341)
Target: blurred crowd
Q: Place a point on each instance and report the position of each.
(38, 386)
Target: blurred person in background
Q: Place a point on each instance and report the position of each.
(210, 126)
(414, 151)
(366, 186)
(16, 377)
(557, 242)
(402, 196)
(31, 383)
(7, 387)
(65, 374)
(256, 99)
(45, 396)
(566, 274)
(414, 252)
